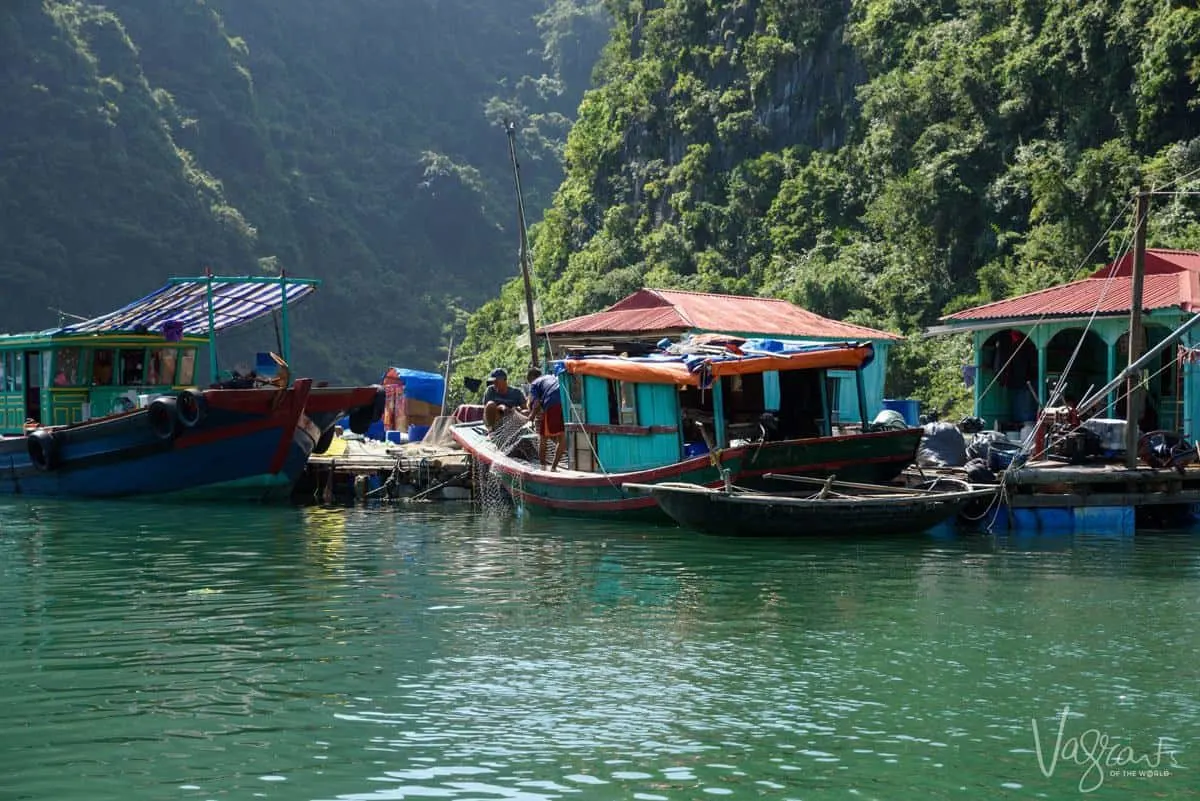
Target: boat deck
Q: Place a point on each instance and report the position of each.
(362, 469)
(1051, 484)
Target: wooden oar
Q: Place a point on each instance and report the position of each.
(822, 482)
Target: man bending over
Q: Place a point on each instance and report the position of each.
(547, 413)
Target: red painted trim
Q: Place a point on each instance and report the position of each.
(521, 471)
(198, 438)
(596, 428)
(337, 399)
(298, 397)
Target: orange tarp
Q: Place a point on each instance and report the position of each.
(850, 357)
(643, 372)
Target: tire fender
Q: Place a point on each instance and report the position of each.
(43, 449)
(191, 407)
(163, 416)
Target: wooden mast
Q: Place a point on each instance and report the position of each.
(511, 128)
(1133, 395)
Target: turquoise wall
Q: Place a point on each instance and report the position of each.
(992, 400)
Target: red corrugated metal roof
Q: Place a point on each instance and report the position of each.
(1172, 281)
(1081, 298)
(673, 310)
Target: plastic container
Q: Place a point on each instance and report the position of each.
(910, 410)
(417, 433)
(694, 449)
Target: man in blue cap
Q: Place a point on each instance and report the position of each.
(500, 398)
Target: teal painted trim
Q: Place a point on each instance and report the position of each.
(977, 344)
(283, 321)
(212, 335)
(245, 279)
(1041, 387)
(826, 412)
(595, 400)
(1111, 368)
(862, 395)
(718, 401)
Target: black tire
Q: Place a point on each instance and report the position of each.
(163, 415)
(324, 442)
(43, 449)
(191, 407)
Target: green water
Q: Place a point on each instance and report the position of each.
(173, 652)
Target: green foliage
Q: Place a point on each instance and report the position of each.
(356, 142)
(883, 161)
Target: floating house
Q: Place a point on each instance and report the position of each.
(1023, 345)
(650, 315)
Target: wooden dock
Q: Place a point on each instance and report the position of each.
(1105, 498)
(355, 469)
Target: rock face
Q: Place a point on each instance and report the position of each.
(354, 141)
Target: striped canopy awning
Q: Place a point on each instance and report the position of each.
(183, 305)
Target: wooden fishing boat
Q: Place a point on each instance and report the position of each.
(109, 406)
(690, 418)
(822, 508)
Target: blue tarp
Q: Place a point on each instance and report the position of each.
(420, 385)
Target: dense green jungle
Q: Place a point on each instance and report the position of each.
(359, 142)
(882, 161)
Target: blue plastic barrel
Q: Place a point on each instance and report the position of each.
(694, 449)
(910, 410)
(417, 433)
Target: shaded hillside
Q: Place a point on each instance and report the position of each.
(357, 142)
(871, 160)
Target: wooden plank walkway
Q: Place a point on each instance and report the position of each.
(367, 469)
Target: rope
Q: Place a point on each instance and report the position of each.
(1120, 215)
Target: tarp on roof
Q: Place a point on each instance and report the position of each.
(184, 303)
(700, 370)
(418, 384)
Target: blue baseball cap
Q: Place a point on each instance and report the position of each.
(498, 373)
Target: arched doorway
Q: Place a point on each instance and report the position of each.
(1163, 405)
(1007, 379)
(1087, 372)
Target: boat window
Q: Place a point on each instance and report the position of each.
(187, 366)
(67, 374)
(5, 372)
(16, 373)
(622, 403)
(162, 366)
(102, 367)
(133, 366)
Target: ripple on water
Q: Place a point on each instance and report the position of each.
(370, 654)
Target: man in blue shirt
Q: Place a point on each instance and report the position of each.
(500, 398)
(547, 413)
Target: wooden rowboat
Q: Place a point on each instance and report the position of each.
(821, 508)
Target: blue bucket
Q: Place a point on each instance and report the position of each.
(417, 433)
(910, 410)
(694, 449)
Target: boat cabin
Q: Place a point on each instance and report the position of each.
(117, 362)
(640, 413)
(48, 379)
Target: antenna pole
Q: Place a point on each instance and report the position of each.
(1133, 397)
(511, 128)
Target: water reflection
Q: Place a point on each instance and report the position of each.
(416, 651)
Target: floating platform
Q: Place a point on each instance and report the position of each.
(1091, 498)
(358, 469)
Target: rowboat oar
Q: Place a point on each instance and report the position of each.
(822, 482)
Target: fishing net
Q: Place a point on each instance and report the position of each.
(513, 437)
